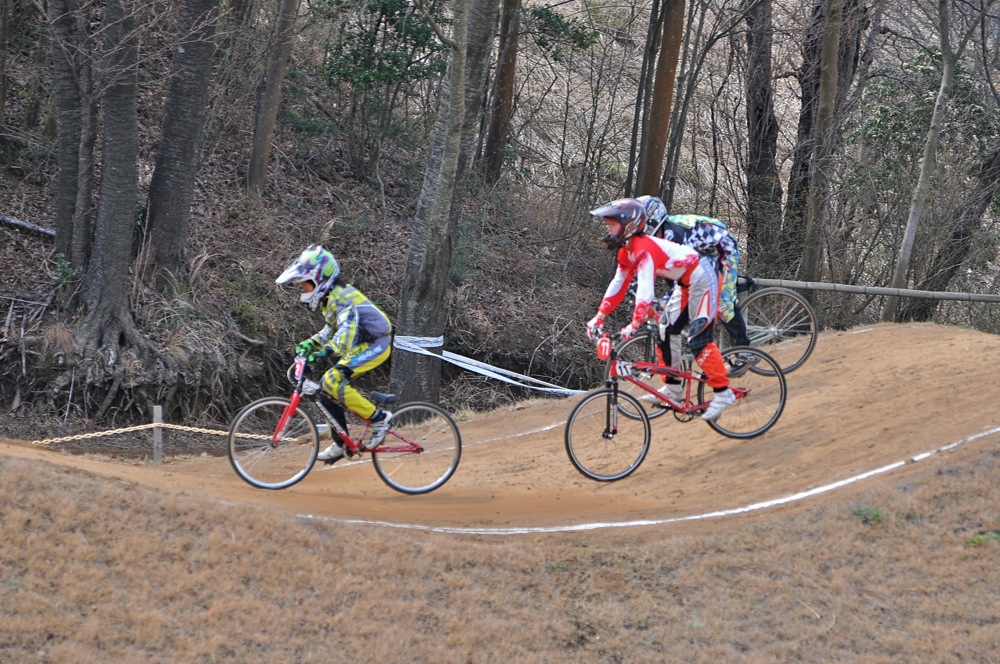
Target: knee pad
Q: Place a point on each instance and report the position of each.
(700, 334)
(696, 327)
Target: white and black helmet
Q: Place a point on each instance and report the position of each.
(317, 265)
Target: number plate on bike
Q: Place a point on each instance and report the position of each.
(625, 368)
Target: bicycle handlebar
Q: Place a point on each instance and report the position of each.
(297, 371)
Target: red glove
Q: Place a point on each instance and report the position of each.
(629, 330)
(595, 326)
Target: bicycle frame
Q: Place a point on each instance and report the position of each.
(274, 442)
(352, 446)
(622, 370)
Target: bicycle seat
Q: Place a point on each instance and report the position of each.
(382, 398)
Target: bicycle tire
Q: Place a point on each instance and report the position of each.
(766, 394)
(640, 348)
(255, 457)
(782, 323)
(602, 446)
(411, 472)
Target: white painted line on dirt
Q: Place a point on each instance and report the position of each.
(547, 427)
(657, 522)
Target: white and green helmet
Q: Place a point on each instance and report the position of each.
(317, 265)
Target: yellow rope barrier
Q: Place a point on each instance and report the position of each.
(139, 427)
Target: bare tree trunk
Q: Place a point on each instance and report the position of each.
(482, 21)
(827, 101)
(763, 185)
(423, 306)
(4, 21)
(69, 109)
(270, 99)
(83, 214)
(108, 321)
(949, 58)
(793, 236)
(959, 244)
(640, 114)
(503, 95)
(651, 156)
(172, 186)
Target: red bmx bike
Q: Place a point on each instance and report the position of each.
(608, 433)
(273, 442)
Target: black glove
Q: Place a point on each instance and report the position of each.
(318, 355)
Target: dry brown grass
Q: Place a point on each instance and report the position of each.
(93, 570)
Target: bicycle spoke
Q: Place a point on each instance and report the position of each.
(607, 438)
(764, 393)
(422, 449)
(782, 323)
(641, 348)
(263, 460)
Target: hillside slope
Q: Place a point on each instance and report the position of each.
(867, 398)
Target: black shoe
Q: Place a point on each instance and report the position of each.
(742, 364)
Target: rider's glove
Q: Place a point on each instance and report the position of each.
(305, 347)
(319, 354)
(595, 326)
(629, 330)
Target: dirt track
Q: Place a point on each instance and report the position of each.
(867, 397)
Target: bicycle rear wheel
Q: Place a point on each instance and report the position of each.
(782, 323)
(268, 459)
(759, 375)
(421, 449)
(601, 444)
(640, 348)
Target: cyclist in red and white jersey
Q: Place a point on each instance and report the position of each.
(643, 258)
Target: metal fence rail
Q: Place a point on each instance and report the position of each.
(876, 290)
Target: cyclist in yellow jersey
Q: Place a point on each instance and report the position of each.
(356, 330)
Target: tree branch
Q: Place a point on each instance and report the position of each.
(28, 226)
(435, 27)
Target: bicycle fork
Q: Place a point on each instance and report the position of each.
(293, 405)
(611, 413)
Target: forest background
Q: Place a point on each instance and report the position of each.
(162, 162)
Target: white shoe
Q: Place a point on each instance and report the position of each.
(379, 428)
(331, 454)
(674, 392)
(719, 403)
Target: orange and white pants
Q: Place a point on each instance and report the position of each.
(695, 305)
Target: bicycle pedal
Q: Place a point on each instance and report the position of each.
(330, 462)
(738, 369)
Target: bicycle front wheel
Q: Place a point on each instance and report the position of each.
(782, 323)
(607, 435)
(421, 449)
(640, 348)
(758, 375)
(268, 458)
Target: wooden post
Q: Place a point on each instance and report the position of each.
(157, 434)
